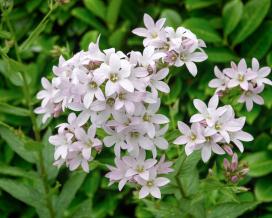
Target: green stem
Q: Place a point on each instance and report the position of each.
(43, 173)
(178, 180)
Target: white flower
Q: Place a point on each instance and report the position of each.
(190, 136)
(92, 88)
(85, 141)
(239, 75)
(139, 166)
(150, 118)
(226, 124)
(118, 173)
(48, 93)
(221, 82)
(237, 137)
(210, 113)
(250, 96)
(151, 186)
(157, 84)
(62, 143)
(152, 32)
(116, 73)
(261, 73)
(211, 144)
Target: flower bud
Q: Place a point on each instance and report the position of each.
(228, 149)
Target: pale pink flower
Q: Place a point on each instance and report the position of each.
(157, 84)
(139, 166)
(116, 73)
(85, 141)
(210, 113)
(152, 32)
(152, 185)
(239, 75)
(190, 136)
(225, 124)
(261, 73)
(117, 174)
(221, 82)
(163, 167)
(62, 142)
(237, 137)
(211, 145)
(250, 96)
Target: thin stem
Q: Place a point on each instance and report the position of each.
(178, 180)
(43, 173)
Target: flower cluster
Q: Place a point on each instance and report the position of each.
(250, 80)
(142, 171)
(234, 172)
(119, 94)
(179, 46)
(212, 129)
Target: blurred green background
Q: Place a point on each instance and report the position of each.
(30, 186)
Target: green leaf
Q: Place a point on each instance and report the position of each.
(175, 92)
(88, 37)
(13, 71)
(113, 13)
(5, 34)
(7, 95)
(117, 38)
(97, 7)
(267, 96)
(69, 191)
(198, 4)
(91, 183)
(269, 59)
(22, 192)
(229, 210)
(221, 55)
(253, 15)
(9, 109)
(173, 18)
(263, 189)
(87, 17)
(208, 34)
(260, 42)
(16, 144)
(84, 209)
(15, 171)
(48, 156)
(232, 13)
(259, 163)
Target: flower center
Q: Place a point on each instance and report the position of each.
(241, 77)
(140, 169)
(89, 143)
(248, 93)
(114, 77)
(93, 85)
(182, 57)
(122, 96)
(154, 35)
(208, 139)
(134, 134)
(193, 137)
(146, 117)
(110, 102)
(217, 126)
(150, 183)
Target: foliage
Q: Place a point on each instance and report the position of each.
(34, 33)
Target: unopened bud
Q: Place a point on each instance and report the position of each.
(228, 149)
(226, 164)
(234, 179)
(234, 162)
